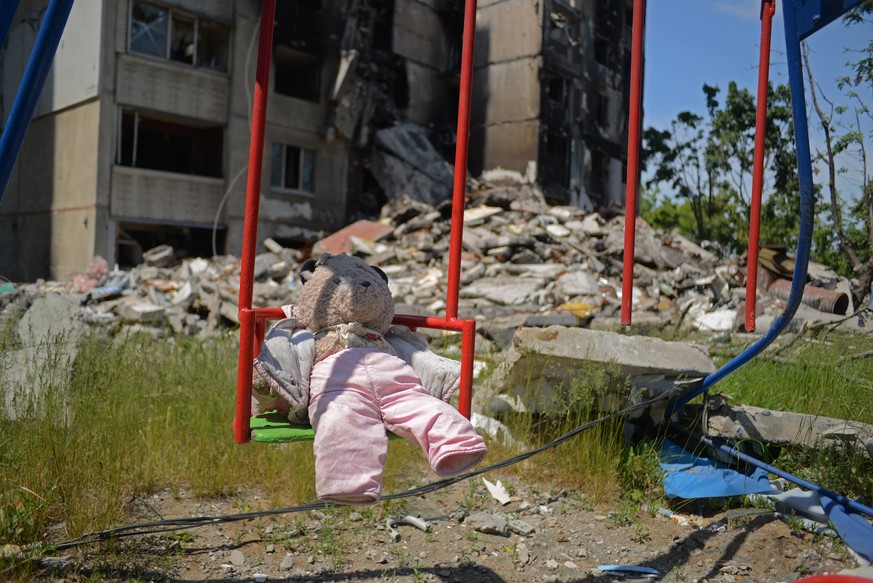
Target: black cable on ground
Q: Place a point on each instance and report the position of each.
(170, 525)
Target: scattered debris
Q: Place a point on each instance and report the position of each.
(497, 491)
(487, 523)
(410, 520)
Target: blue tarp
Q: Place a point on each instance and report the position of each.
(687, 475)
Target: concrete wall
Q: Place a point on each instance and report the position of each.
(75, 71)
(420, 37)
(171, 88)
(506, 85)
(49, 219)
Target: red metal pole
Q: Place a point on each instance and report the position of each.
(250, 225)
(460, 183)
(633, 163)
(768, 8)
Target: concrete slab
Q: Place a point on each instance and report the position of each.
(36, 376)
(505, 291)
(544, 365)
(765, 425)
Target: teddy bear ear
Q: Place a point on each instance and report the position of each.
(307, 270)
(380, 272)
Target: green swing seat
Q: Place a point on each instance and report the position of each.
(274, 427)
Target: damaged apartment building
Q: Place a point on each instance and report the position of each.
(141, 134)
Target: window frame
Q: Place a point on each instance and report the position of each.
(281, 187)
(136, 115)
(182, 15)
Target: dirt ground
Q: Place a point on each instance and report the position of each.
(559, 537)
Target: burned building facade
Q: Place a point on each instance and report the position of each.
(552, 85)
(141, 135)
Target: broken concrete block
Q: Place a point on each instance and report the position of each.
(487, 523)
(49, 331)
(521, 527)
(140, 311)
(781, 427)
(160, 256)
(263, 262)
(505, 291)
(577, 283)
(543, 364)
(407, 164)
(478, 215)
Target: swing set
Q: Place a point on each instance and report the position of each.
(802, 19)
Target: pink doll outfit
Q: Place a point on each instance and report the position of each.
(355, 394)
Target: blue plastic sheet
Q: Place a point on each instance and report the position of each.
(855, 531)
(687, 475)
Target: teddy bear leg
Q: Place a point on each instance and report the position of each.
(350, 447)
(447, 438)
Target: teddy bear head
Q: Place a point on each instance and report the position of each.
(341, 289)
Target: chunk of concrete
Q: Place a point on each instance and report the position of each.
(487, 523)
(140, 312)
(407, 164)
(160, 256)
(505, 291)
(544, 364)
(577, 283)
(780, 427)
(36, 377)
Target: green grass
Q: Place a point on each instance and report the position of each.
(140, 415)
(815, 375)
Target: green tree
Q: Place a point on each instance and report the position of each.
(707, 163)
(845, 239)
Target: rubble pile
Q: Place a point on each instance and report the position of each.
(524, 263)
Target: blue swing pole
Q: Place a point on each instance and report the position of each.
(44, 49)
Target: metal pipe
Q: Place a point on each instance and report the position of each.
(846, 502)
(633, 163)
(7, 12)
(35, 73)
(250, 225)
(768, 7)
(823, 300)
(804, 239)
(461, 149)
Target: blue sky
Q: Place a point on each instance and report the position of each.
(692, 42)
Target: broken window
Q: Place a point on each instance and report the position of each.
(171, 145)
(292, 168)
(213, 42)
(148, 29)
(601, 50)
(182, 47)
(601, 109)
(556, 163)
(599, 167)
(557, 90)
(169, 34)
(298, 74)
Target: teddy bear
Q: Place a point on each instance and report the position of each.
(338, 362)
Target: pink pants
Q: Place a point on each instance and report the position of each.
(355, 395)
